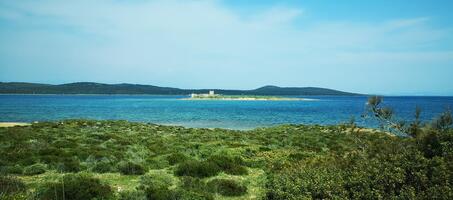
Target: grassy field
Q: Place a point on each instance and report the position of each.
(126, 160)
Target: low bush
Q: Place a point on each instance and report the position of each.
(69, 165)
(74, 187)
(35, 169)
(227, 187)
(192, 183)
(237, 170)
(131, 168)
(159, 193)
(389, 171)
(197, 169)
(158, 186)
(191, 195)
(155, 180)
(230, 164)
(299, 156)
(155, 188)
(195, 188)
(306, 183)
(16, 169)
(159, 162)
(176, 158)
(102, 167)
(179, 194)
(132, 195)
(11, 185)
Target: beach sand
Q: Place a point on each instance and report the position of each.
(248, 99)
(11, 124)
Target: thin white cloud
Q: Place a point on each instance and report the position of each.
(402, 23)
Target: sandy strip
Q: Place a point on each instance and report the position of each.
(11, 124)
(249, 99)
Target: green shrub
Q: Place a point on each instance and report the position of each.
(70, 164)
(196, 188)
(102, 167)
(16, 169)
(306, 183)
(387, 172)
(299, 156)
(155, 180)
(191, 195)
(160, 193)
(176, 158)
(132, 195)
(264, 148)
(11, 185)
(131, 168)
(157, 186)
(169, 194)
(192, 183)
(159, 162)
(35, 169)
(75, 187)
(227, 187)
(229, 164)
(197, 169)
(237, 170)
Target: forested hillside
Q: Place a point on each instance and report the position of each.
(100, 88)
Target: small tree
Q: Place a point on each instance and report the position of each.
(384, 115)
(444, 121)
(413, 129)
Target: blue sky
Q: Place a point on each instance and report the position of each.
(386, 47)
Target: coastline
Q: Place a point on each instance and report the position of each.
(248, 99)
(13, 124)
(77, 94)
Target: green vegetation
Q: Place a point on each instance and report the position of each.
(201, 169)
(233, 165)
(10, 186)
(124, 88)
(74, 186)
(85, 159)
(176, 158)
(35, 169)
(227, 187)
(129, 168)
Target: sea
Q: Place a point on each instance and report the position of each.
(241, 115)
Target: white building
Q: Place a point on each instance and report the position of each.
(210, 94)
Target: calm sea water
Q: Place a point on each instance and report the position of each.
(212, 114)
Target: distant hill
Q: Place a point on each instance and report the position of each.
(124, 88)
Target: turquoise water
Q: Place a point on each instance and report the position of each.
(171, 110)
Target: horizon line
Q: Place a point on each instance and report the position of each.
(409, 94)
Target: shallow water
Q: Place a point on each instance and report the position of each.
(211, 114)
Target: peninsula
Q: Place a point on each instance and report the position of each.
(212, 96)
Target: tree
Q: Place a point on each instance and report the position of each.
(384, 115)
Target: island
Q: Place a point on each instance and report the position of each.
(213, 96)
(137, 89)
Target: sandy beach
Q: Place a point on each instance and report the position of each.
(248, 99)
(11, 124)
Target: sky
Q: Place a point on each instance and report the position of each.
(390, 47)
